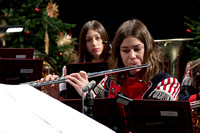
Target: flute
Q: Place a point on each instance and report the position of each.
(90, 75)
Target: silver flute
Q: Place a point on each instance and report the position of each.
(63, 79)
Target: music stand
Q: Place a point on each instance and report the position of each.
(16, 71)
(16, 52)
(159, 116)
(105, 111)
(88, 67)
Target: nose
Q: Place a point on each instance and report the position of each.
(94, 41)
(132, 54)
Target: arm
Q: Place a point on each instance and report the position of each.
(167, 89)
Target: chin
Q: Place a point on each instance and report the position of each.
(132, 72)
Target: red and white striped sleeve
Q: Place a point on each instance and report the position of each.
(167, 89)
(99, 90)
(102, 83)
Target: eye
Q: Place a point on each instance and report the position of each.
(125, 50)
(88, 40)
(97, 38)
(137, 49)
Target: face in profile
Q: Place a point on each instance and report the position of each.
(132, 53)
(94, 44)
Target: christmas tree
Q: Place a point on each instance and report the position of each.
(43, 31)
(193, 28)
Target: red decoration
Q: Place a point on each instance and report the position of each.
(70, 32)
(37, 10)
(188, 30)
(61, 33)
(60, 53)
(50, 15)
(27, 32)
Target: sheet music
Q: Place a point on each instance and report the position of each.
(25, 109)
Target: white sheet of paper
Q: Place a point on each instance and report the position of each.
(24, 109)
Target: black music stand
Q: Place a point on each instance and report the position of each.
(88, 67)
(16, 53)
(105, 111)
(159, 116)
(16, 71)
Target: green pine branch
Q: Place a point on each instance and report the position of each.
(194, 25)
(23, 13)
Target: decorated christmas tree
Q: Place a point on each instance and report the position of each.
(43, 31)
(193, 28)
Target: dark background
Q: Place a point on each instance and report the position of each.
(163, 18)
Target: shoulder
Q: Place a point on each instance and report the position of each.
(161, 76)
(162, 79)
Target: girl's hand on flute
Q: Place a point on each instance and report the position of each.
(78, 81)
(53, 89)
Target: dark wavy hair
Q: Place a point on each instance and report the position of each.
(152, 55)
(83, 54)
(195, 72)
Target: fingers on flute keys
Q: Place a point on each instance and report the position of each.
(52, 89)
(49, 78)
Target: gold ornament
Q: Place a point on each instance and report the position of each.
(52, 10)
(64, 39)
(3, 35)
(71, 54)
(46, 42)
(196, 120)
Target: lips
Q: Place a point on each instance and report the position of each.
(96, 49)
(133, 64)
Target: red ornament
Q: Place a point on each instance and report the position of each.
(5, 15)
(188, 30)
(36, 9)
(70, 32)
(60, 53)
(27, 32)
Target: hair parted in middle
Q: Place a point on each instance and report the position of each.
(152, 55)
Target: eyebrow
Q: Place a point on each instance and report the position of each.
(95, 35)
(133, 46)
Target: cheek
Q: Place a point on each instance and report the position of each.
(101, 47)
(88, 48)
(141, 56)
(124, 58)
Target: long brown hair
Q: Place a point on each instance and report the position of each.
(195, 72)
(152, 56)
(83, 54)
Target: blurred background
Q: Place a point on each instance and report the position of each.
(52, 27)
